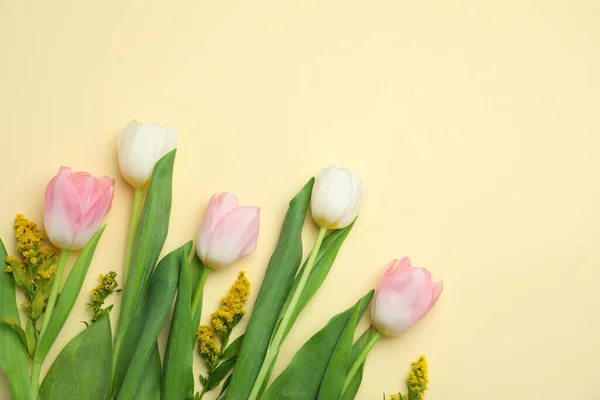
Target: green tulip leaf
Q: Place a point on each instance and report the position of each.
(358, 347)
(82, 369)
(13, 354)
(332, 383)
(302, 377)
(178, 376)
(150, 381)
(67, 297)
(150, 238)
(276, 285)
(153, 312)
(327, 253)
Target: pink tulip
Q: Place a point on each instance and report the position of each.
(228, 232)
(76, 204)
(404, 296)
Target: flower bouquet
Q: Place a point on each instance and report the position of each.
(131, 363)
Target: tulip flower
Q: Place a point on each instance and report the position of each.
(140, 147)
(404, 296)
(228, 232)
(337, 197)
(76, 204)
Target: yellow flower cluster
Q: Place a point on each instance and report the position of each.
(107, 286)
(232, 305)
(207, 345)
(417, 379)
(223, 320)
(29, 242)
(32, 270)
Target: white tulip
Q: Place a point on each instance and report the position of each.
(337, 197)
(140, 147)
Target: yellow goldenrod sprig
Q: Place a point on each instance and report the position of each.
(32, 269)
(417, 381)
(232, 307)
(107, 286)
(222, 323)
(207, 345)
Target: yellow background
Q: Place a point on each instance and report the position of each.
(475, 125)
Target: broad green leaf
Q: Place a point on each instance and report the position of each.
(327, 253)
(150, 381)
(149, 240)
(275, 287)
(233, 349)
(13, 354)
(67, 297)
(82, 369)
(159, 297)
(215, 378)
(178, 377)
(302, 377)
(332, 383)
(358, 347)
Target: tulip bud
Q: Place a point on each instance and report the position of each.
(140, 147)
(404, 296)
(336, 198)
(76, 204)
(228, 232)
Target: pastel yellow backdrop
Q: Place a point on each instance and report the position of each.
(474, 124)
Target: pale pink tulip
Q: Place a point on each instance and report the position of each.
(404, 296)
(228, 232)
(76, 204)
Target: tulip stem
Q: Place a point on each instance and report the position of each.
(361, 359)
(283, 327)
(138, 199)
(197, 302)
(37, 364)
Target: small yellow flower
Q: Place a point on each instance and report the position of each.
(207, 345)
(46, 274)
(105, 288)
(417, 379)
(232, 305)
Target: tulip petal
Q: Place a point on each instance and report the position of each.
(140, 148)
(234, 233)
(330, 195)
(404, 296)
(218, 206)
(358, 196)
(62, 211)
(95, 212)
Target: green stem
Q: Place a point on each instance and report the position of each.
(37, 362)
(279, 334)
(202, 393)
(197, 302)
(361, 359)
(138, 200)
